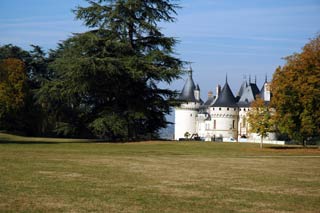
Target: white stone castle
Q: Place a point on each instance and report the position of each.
(223, 117)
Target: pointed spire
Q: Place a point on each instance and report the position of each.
(190, 71)
(249, 79)
(197, 87)
(226, 78)
(225, 98)
(266, 79)
(187, 93)
(245, 80)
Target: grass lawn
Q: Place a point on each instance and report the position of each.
(41, 175)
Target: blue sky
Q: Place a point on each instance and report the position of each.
(247, 37)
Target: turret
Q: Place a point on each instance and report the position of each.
(224, 115)
(187, 112)
(187, 94)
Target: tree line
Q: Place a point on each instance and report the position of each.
(99, 83)
(105, 82)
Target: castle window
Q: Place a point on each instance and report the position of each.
(235, 109)
(207, 126)
(213, 108)
(214, 124)
(228, 108)
(220, 109)
(244, 109)
(191, 115)
(233, 123)
(239, 109)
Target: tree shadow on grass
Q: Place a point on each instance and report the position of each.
(44, 142)
(26, 142)
(292, 147)
(93, 141)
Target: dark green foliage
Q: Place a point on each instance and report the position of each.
(36, 61)
(29, 118)
(106, 79)
(104, 82)
(110, 126)
(11, 51)
(39, 71)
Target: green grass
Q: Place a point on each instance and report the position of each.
(54, 175)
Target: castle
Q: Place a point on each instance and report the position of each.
(222, 117)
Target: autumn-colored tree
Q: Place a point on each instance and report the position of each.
(12, 82)
(12, 88)
(259, 119)
(32, 118)
(296, 93)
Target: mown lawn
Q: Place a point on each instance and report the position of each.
(40, 175)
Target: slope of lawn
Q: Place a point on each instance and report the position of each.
(54, 175)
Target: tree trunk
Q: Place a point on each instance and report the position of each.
(261, 142)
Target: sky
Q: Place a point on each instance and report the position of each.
(220, 37)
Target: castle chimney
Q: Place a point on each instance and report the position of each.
(218, 90)
(210, 94)
(197, 93)
(267, 92)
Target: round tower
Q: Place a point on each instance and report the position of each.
(186, 114)
(224, 115)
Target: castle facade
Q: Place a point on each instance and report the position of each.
(222, 117)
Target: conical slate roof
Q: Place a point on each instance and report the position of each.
(261, 95)
(242, 88)
(209, 101)
(187, 93)
(262, 89)
(249, 94)
(255, 89)
(197, 87)
(225, 98)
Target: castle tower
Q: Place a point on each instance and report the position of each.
(224, 115)
(186, 114)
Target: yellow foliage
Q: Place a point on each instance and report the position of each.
(296, 93)
(12, 84)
